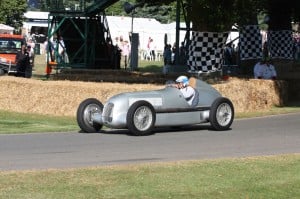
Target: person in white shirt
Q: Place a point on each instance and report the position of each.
(264, 70)
(188, 92)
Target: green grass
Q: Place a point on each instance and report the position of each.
(289, 108)
(259, 177)
(11, 122)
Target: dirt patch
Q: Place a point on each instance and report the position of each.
(62, 97)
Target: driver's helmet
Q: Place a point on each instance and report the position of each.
(183, 79)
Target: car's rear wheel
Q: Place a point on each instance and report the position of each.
(85, 113)
(141, 118)
(221, 114)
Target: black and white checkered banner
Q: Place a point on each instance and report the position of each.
(280, 44)
(206, 51)
(250, 42)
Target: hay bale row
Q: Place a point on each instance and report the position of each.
(61, 98)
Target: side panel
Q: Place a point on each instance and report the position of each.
(177, 119)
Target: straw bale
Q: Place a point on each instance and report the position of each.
(249, 95)
(61, 98)
(57, 97)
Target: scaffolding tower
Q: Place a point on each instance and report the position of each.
(78, 35)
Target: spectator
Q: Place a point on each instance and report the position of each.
(182, 54)
(167, 54)
(62, 56)
(152, 49)
(264, 70)
(265, 50)
(228, 55)
(23, 63)
(125, 52)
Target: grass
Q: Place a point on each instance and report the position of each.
(11, 122)
(256, 177)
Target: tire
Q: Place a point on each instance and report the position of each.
(84, 115)
(2, 72)
(221, 114)
(141, 118)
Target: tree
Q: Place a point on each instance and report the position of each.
(220, 15)
(12, 12)
(206, 15)
(162, 13)
(280, 13)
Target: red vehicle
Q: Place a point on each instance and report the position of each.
(10, 45)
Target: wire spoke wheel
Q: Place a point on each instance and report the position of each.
(221, 114)
(224, 114)
(141, 118)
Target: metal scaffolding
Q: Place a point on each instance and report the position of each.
(84, 31)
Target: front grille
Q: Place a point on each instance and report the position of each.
(107, 112)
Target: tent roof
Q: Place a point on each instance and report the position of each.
(139, 24)
(6, 27)
(36, 15)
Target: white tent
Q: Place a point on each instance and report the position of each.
(35, 19)
(171, 29)
(5, 29)
(146, 27)
(121, 26)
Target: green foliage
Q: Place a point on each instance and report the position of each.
(162, 13)
(12, 11)
(220, 15)
(11, 122)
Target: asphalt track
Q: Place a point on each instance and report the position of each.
(248, 137)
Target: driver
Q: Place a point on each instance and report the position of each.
(188, 92)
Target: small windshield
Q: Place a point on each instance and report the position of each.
(7, 44)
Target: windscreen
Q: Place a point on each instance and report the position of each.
(8, 45)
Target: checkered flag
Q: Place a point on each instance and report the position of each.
(206, 51)
(250, 42)
(280, 44)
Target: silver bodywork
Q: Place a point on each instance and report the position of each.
(171, 109)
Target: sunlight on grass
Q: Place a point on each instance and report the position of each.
(11, 122)
(256, 177)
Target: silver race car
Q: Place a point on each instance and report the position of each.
(140, 112)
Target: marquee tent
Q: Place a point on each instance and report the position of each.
(146, 27)
(5, 29)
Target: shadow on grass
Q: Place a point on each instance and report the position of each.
(151, 68)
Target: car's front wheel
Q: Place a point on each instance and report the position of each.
(85, 113)
(221, 114)
(141, 118)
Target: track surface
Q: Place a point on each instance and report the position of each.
(248, 137)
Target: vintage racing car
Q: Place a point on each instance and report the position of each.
(140, 112)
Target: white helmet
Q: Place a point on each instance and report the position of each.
(183, 79)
